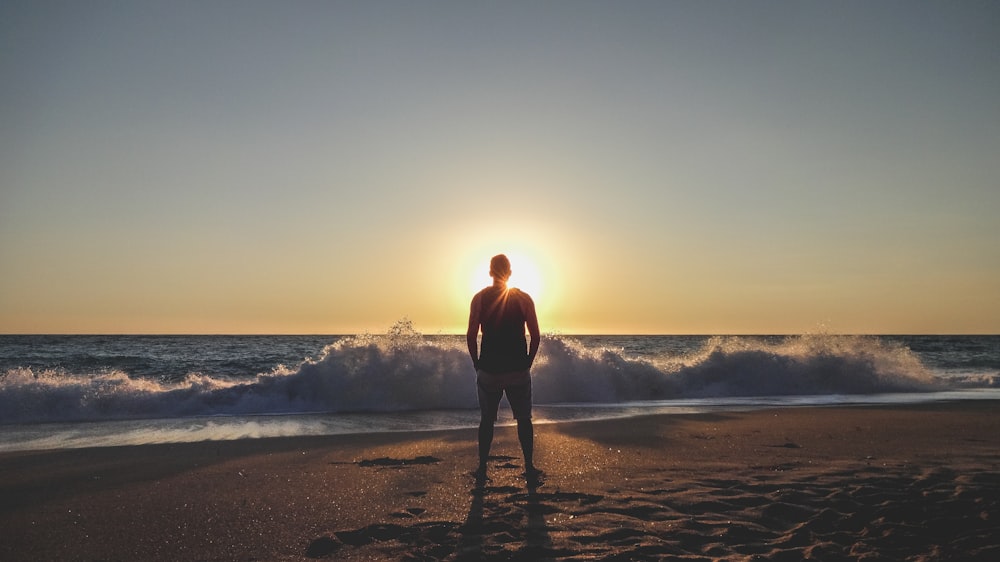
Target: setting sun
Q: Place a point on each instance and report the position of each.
(525, 275)
(541, 257)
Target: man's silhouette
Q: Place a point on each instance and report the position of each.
(504, 361)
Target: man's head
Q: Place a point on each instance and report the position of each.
(500, 267)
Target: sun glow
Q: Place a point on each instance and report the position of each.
(537, 267)
(525, 275)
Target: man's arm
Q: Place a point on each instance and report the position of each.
(531, 319)
(472, 334)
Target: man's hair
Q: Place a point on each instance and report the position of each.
(500, 267)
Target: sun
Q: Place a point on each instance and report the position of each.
(537, 267)
(525, 275)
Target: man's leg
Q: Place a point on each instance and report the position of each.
(489, 403)
(519, 397)
(526, 435)
(485, 440)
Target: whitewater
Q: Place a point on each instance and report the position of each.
(75, 391)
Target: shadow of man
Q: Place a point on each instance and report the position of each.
(470, 544)
(537, 542)
(492, 526)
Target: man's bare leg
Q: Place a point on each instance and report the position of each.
(526, 435)
(485, 442)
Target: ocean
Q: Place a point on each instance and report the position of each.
(81, 391)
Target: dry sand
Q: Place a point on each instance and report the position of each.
(860, 483)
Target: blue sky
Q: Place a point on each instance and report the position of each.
(667, 167)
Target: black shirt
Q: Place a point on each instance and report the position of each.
(504, 347)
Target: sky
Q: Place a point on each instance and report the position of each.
(668, 167)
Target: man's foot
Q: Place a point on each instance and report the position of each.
(480, 475)
(533, 475)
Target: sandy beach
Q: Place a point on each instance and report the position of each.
(847, 483)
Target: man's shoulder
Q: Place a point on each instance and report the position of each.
(483, 294)
(521, 295)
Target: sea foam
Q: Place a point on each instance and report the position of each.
(405, 371)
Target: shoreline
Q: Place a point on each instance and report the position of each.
(80, 434)
(832, 482)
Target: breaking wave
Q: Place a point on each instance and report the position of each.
(404, 370)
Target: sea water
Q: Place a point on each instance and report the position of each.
(79, 391)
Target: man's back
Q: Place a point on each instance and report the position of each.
(503, 314)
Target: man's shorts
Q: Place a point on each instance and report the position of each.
(517, 385)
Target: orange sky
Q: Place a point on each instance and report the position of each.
(762, 167)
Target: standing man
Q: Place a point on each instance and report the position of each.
(503, 365)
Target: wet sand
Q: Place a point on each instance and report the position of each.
(848, 483)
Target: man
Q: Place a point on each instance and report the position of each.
(503, 365)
